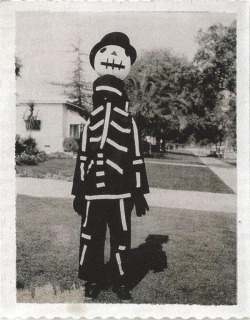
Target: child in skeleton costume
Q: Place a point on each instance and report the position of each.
(110, 176)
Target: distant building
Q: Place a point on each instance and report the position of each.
(49, 123)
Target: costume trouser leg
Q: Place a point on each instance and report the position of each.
(119, 222)
(117, 214)
(92, 240)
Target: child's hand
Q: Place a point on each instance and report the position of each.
(141, 206)
(79, 205)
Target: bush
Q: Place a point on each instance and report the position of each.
(27, 152)
(31, 146)
(41, 156)
(28, 145)
(19, 145)
(70, 145)
(31, 159)
(25, 158)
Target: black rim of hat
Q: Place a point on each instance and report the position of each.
(115, 38)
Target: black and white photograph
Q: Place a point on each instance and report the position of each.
(126, 157)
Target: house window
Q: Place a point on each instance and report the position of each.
(74, 131)
(33, 125)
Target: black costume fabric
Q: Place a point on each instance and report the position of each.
(110, 172)
(93, 233)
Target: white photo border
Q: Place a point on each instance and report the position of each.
(9, 307)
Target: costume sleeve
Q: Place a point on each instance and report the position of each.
(81, 164)
(138, 165)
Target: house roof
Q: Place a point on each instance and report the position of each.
(72, 105)
(59, 102)
(46, 102)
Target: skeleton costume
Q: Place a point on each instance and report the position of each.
(109, 177)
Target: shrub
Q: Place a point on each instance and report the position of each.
(70, 145)
(27, 152)
(19, 146)
(31, 146)
(28, 145)
(30, 159)
(41, 156)
(25, 158)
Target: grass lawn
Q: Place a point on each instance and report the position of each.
(200, 253)
(185, 178)
(159, 176)
(62, 169)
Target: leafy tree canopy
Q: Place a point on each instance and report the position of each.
(177, 100)
(155, 88)
(215, 64)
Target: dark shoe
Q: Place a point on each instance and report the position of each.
(91, 291)
(123, 294)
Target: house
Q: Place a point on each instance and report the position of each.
(49, 122)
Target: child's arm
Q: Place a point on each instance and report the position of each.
(78, 188)
(140, 176)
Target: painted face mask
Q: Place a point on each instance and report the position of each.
(112, 60)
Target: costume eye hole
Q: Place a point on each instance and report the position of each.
(103, 50)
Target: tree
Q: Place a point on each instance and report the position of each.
(216, 57)
(215, 81)
(77, 89)
(154, 87)
(181, 101)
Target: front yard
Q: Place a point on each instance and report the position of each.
(200, 248)
(164, 175)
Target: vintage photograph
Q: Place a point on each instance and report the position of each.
(126, 157)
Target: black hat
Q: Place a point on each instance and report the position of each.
(117, 39)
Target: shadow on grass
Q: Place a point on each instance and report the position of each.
(148, 256)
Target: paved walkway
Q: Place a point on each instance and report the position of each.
(226, 172)
(193, 200)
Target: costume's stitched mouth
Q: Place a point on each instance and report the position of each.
(113, 65)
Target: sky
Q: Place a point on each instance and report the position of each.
(44, 41)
